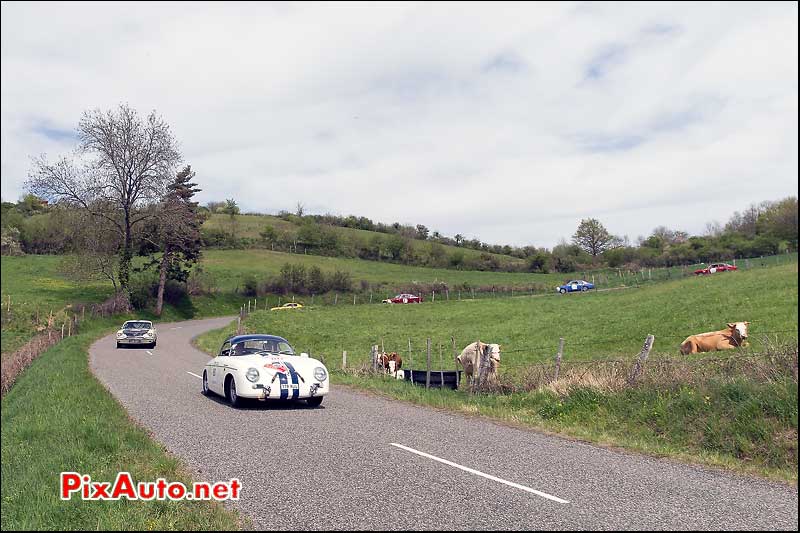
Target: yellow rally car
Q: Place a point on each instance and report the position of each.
(288, 305)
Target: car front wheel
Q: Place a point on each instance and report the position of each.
(206, 390)
(562, 291)
(233, 397)
(584, 288)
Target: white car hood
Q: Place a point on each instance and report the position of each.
(269, 363)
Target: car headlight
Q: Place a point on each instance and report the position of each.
(150, 334)
(320, 374)
(120, 335)
(252, 374)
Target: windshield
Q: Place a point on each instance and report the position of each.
(271, 346)
(137, 325)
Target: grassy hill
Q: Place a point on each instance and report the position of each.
(250, 227)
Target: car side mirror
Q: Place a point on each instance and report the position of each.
(304, 354)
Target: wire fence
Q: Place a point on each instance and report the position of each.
(775, 361)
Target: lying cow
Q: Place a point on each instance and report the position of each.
(391, 362)
(470, 360)
(726, 339)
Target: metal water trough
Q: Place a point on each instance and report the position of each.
(451, 378)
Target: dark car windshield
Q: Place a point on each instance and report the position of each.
(137, 325)
(266, 346)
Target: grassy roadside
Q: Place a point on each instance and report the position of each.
(737, 425)
(58, 417)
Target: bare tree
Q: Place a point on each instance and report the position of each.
(300, 209)
(97, 243)
(593, 237)
(122, 163)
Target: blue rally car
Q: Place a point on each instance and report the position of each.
(575, 285)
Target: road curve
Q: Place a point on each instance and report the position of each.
(336, 467)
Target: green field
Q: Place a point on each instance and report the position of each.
(31, 286)
(595, 325)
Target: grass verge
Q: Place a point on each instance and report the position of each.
(57, 417)
(737, 425)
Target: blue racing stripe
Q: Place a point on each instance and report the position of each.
(284, 381)
(295, 381)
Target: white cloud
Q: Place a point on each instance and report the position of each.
(508, 122)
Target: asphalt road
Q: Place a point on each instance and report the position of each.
(338, 466)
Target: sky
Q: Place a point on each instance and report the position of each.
(504, 122)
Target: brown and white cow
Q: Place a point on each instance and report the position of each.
(391, 362)
(470, 359)
(726, 339)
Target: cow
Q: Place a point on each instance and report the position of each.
(391, 362)
(726, 339)
(470, 360)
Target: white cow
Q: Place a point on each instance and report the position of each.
(470, 359)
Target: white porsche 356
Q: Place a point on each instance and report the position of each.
(264, 367)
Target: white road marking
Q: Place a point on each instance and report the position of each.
(195, 375)
(177, 327)
(477, 473)
(148, 351)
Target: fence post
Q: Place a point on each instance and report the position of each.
(239, 324)
(558, 357)
(410, 362)
(639, 365)
(455, 358)
(335, 298)
(62, 330)
(433, 296)
(483, 364)
(370, 296)
(373, 353)
(441, 368)
(344, 359)
(428, 367)
(354, 299)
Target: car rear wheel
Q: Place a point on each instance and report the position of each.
(233, 397)
(584, 288)
(315, 401)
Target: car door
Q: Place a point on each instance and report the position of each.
(216, 368)
(573, 286)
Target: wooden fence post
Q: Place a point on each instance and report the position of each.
(335, 298)
(639, 365)
(62, 330)
(441, 368)
(455, 358)
(428, 367)
(410, 362)
(344, 359)
(558, 357)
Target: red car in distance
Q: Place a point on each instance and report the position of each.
(404, 299)
(714, 267)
